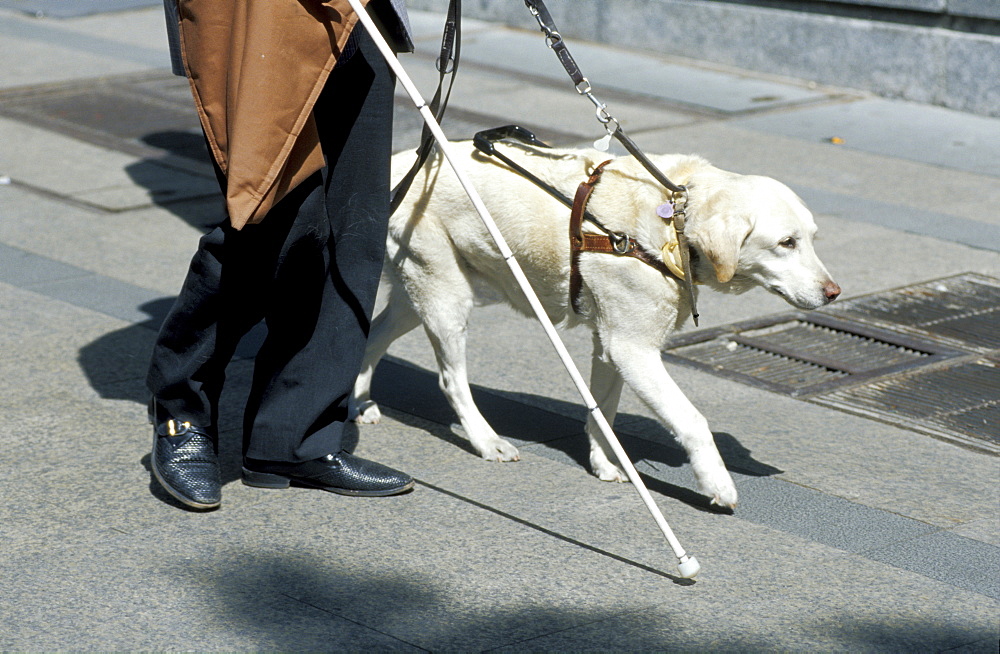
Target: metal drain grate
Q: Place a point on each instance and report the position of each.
(145, 114)
(777, 372)
(963, 311)
(924, 357)
(959, 403)
(803, 354)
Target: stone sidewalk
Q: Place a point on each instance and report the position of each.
(852, 534)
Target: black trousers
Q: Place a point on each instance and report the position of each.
(310, 270)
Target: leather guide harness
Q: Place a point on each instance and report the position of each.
(675, 254)
(609, 242)
(614, 129)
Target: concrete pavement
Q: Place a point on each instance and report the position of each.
(852, 534)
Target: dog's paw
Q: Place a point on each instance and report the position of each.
(367, 413)
(607, 471)
(719, 486)
(497, 449)
(713, 478)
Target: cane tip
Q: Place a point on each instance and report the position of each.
(688, 567)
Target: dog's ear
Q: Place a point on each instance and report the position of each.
(720, 237)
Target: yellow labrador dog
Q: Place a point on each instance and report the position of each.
(744, 231)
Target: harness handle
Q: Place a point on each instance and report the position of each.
(484, 142)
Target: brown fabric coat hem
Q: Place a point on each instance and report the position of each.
(256, 70)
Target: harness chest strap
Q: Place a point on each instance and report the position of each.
(580, 241)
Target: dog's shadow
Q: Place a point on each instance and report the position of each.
(554, 429)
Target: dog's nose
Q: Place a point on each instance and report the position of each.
(831, 290)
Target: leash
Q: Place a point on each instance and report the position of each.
(447, 66)
(678, 197)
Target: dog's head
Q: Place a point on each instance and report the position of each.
(751, 230)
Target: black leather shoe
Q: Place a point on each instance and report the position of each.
(341, 473)
(186, 464)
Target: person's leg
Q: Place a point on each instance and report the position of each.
(203, 328)
(321, 299)
(187, 370)
(217, 305)
(323, 293)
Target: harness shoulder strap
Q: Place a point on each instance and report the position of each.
(576, 235)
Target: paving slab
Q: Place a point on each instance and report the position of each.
(400, 568)
(609, 518)
(73, 8)
(982, 234)
(522, 51)
(92, 175)
(48, 52)
(544, 108)
(902, 130)
(852, 535)
(52, 242)
(812, 163)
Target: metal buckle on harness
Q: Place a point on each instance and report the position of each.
(448, 68)
(621, 242)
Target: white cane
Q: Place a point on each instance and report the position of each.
(687, 565)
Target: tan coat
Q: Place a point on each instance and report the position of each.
(256, 69)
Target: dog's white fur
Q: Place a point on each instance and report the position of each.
(745, 231)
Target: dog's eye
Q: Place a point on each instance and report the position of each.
(788, 243)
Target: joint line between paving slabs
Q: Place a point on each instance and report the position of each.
(549, 532)
(347, 619)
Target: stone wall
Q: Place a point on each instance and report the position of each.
(944, 52)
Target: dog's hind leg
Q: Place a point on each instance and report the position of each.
(395, 319)
(606, 386)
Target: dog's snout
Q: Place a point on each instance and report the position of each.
(831, 290)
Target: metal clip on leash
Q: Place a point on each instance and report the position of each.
(614, 129)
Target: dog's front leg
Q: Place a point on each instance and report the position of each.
(606, 386)
(446, 331)
(643, 370)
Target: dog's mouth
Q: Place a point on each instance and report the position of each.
(807, 304)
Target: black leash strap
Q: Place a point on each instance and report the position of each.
(614, 129)
(555, 41)
(447, 65)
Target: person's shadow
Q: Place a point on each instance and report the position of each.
(182, 180)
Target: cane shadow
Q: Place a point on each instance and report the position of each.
(555, 429)
(116, 364)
